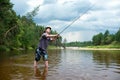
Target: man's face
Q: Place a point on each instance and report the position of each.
(48, 30)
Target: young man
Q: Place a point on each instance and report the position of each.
(41, 50)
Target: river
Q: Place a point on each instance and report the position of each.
(63, 65)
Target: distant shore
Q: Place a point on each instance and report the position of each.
(85, 48)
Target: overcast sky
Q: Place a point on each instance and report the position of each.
(104, 15)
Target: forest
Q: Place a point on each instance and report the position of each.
(19, 32)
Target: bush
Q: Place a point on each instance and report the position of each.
(4, 48)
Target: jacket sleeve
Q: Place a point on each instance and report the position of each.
(44, 35)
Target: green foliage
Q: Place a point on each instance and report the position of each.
(117, 36)
(106, 38)
(8, 23)
(109, 39)
(79, 44)
(97, 39)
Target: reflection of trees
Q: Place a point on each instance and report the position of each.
(106, 57)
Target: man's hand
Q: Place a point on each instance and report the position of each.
(57, 36)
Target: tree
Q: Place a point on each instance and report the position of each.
(106, 34)
(109, 39)
(117, 36)
(97, 39)
(8, 23)
(33, 13)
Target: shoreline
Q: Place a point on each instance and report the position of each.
(85, 48)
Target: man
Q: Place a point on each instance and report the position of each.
(41, 50)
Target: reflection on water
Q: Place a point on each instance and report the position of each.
(107, 57)
(107, 60)
(40, 75)
(63, 65)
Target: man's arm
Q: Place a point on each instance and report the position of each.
(52, 36)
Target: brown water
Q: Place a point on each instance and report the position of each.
(63, 65)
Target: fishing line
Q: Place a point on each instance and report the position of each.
(76, 19)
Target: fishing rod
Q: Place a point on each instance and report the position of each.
(76, 19)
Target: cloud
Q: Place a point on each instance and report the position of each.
(65, 11)
(33, 3)
(79, 36)
(49, 1)
(24, 6)
(20, 6)
(104, 15)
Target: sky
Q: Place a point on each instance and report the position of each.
(104, 15)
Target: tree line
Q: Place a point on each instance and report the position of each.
(106, 38)
(78, 44)
(19, 32)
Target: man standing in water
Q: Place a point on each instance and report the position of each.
(41, 50)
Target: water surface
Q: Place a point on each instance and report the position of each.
(63, 65)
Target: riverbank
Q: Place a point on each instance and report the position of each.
(88, 48)
(106, 47)
(74, 48)
(54, 47)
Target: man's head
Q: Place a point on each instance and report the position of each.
(48, 29)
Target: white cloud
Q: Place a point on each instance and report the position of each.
(59, 13)
(20, 6)
(34, 3)
(24, 6)
(79, 35)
